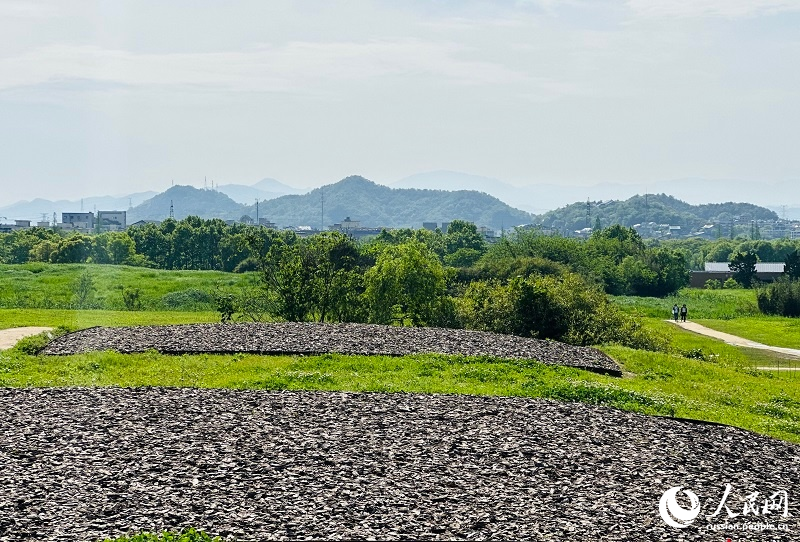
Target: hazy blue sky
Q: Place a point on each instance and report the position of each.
(111, 97)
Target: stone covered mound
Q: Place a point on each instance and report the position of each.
(82, 464)
(311, 338)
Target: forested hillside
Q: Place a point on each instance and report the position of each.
(375, 205)
(187, 201)
(658, 208)
(371, 204)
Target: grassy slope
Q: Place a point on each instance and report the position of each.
(73, 319)
(771, 330)
(724, 388)
(38, 285)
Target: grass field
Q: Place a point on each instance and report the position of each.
(74, 319)
(771, 330)
(52, 286)
(706, 304)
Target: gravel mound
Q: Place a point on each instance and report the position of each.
(311, 338)
(79, 464)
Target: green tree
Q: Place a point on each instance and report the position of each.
(462, 234)
(336, 278)
(743, 266)
(407, 283)
(120, 248)
(83, 290)
(288, 273)
(792, 267)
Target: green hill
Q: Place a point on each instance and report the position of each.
(375, 205)
(657, 208)
(187, 201)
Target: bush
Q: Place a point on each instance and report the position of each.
(713, 284)
(190, 299)
(781, 298)
(731, 284)
(186, 535)
(132, 299)
(246, 265)
(560, 308)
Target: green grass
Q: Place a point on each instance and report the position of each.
(74, 319)
(708, 304)
(771, 330)
(186, 535)
(51, 286)
(722, 386)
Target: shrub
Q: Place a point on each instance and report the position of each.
(186, 535)
(561, 308)
(780, 298)
(188, 300)
(83, 290)
(731, 284)
(713, 284)
(131, 297)
(246, 265)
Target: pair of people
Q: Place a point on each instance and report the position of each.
(682, 312)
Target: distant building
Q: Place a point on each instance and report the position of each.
(112, 220)
(22, 224)
(266, 223)
(77, 221)
(721, 271)
(346, 226)
(430, 226)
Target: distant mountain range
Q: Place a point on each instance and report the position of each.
(371, 204)
(437, 196)
(263, 189)
(783, 197)
(654, 208)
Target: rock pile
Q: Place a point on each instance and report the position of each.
(81, 464)
(310, 338)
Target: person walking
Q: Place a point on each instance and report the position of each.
(684, 312)
(675, 312)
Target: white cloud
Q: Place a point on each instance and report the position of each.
(711, 8)
(289, 67)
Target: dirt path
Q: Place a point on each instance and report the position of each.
(738, 341)
(10, 337)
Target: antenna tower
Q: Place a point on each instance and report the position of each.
(256, 211)
(322, 208)
(171, 210)
(588, 213)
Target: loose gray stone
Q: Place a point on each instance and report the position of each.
(317, 338)
(81, 464)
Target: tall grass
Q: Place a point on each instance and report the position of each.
(709, 304)
(52, 286)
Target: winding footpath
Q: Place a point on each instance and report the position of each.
(10, 337)
(740, 341)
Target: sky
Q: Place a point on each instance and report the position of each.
(121, 96)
